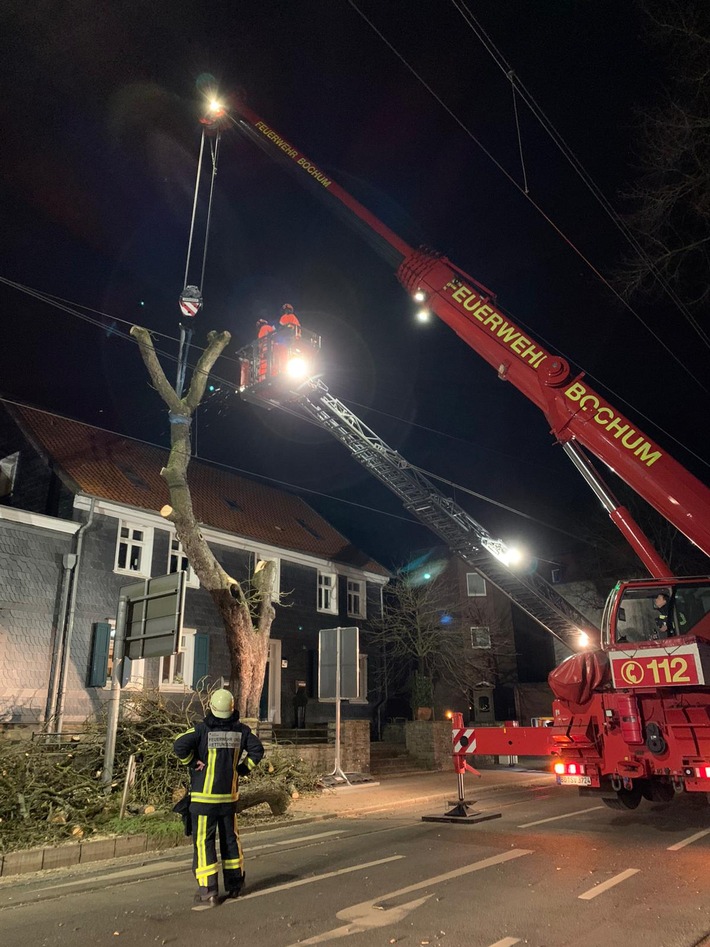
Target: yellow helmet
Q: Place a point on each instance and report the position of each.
(222, 703)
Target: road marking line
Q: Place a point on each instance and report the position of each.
(323, 877)
(506, 942)
(110, 877)
(605, 885)
(293, 841)
(688, 841)
(555, 818)
(375, 913)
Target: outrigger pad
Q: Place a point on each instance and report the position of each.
(461, 813)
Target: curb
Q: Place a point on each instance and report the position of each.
(69, 855)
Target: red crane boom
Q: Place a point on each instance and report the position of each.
(575, 412)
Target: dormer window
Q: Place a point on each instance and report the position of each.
(8, 473)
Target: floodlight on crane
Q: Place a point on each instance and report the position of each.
(297, 367)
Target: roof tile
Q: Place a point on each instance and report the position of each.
(121, 469)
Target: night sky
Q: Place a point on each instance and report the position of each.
(100, 111)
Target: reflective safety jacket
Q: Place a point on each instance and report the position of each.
(219, 744)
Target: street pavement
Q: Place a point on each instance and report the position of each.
(553, 870)
(437, 788)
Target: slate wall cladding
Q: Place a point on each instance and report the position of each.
(31, 567)
(297, 625)
(30, 586)
(31, 570)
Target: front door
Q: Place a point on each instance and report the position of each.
(483, 711)
(270, 703)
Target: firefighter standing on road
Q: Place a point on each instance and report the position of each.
(212, 750)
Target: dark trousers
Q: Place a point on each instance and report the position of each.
(204, 856)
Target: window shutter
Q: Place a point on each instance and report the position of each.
(99, 654)
(312, 674)
(201, 662)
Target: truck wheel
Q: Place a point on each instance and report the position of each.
(624, 798)
(657, 790)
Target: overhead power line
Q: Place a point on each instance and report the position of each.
(526, 195)
(108, 326)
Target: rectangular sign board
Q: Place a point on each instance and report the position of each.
(338, 647)
(686, 664)
(154, 615)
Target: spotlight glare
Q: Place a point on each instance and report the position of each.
(297, 367)
(423, 315)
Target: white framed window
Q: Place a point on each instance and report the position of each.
(362, 682)
(276, 593)
(357, 607)
(134, 549)
(133, 671)
(328, 592)
(475, 584)
(178, 562)
(480, 636)
(175, 672)
(8, 472)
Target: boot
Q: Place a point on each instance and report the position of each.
(235, 889)
(205, 899)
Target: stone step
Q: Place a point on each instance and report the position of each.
(393, 761)
(387, 750)
(410, 769)
(290, 735)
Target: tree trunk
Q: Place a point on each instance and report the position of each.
(246, 619)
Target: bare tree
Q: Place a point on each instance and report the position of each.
(605, 556)
(424, 634)
(247, 615)
(672, 197)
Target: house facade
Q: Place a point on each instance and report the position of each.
(79, 520)
(494, 659)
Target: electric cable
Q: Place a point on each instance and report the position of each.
(577, 166)
(479, 144)
(216, 463)
(111, 331)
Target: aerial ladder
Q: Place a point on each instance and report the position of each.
(266, 378)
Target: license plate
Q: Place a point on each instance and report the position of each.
(574, 780)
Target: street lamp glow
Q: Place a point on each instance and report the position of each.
(215, 106)
(583, 638)
(423, 315)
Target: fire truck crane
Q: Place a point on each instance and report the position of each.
(632, 720)
(272, 370)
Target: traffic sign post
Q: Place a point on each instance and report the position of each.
(148, 625)
(154, 615)
(338, 677)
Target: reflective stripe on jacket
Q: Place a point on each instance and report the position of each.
(219, 744)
